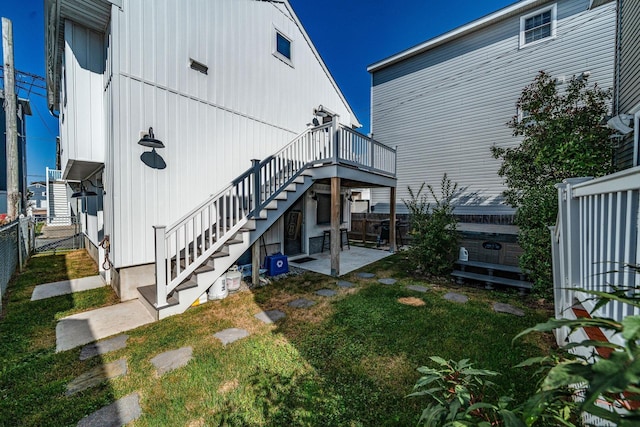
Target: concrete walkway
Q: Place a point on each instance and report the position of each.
(49, 290)
(83, 328)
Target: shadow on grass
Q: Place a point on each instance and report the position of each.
(33, 377)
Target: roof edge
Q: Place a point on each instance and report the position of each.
(491, 18)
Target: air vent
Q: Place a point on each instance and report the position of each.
(198, 66)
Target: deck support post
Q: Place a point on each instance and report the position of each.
(392, 219)
(255, 263)
(161, 266)
(335, 226)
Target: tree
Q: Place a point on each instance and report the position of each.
(563, 136)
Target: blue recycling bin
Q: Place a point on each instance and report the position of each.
(276, 264)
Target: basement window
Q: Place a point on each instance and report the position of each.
(539, 25)
(283, 47)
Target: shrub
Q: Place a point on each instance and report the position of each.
(563, 136)
(434, 240)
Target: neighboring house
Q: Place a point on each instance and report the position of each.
(38, 198)
(446, 101)
(220, 83)
(24, 110)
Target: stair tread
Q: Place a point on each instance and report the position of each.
(187, 284)
(149, 293)
(205, 268)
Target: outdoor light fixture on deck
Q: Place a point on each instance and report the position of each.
(83, 193)
(149, 140)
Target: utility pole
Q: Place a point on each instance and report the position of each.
(10, 108)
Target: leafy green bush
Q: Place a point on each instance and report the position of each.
(434, 240)
(614, 379)
(458, 394)
(563, 136)
(577, 381)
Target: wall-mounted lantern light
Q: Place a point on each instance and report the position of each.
(149, 140)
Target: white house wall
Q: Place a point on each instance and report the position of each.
(82, 127)
(446, 107)
(248, 106)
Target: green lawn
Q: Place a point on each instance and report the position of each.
(350, 360)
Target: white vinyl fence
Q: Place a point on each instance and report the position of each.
(595, 241)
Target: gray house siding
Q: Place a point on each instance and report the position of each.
(627, 97)
(445, 107)
(629, 69)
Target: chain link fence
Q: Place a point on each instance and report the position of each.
(16, 244)
(56, 234)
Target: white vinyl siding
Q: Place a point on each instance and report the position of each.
(446, 107)
(82, 131)
(247, 107)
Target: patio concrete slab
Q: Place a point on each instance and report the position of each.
(500, 307)
(387, 281)
(97, 375)
(172, 360)
(454, 297)
(94, 325)
(64, 287)
(102, 347)
(270, 316)
(326, 292)
(350, 260)
(230, 335)
(119, 413)
(301, 303)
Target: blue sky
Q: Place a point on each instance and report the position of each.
(349, 34)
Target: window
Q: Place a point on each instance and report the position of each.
(539, 25)
(283, 48)
(323, 209)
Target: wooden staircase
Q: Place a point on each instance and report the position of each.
(198, 282)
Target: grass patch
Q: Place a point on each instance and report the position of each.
(349, 360)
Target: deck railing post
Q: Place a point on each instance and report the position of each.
(335, 134)
(257, 187)
(161, 265)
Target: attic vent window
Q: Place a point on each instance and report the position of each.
(538, 26)
(283, 48)
(198, 66)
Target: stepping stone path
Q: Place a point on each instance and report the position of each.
(230, 335)
(499, 307)
(366, 275)
(102, 347)
(97, 375)
(387, 281)
(301, 303)
(171, 360)
(119, 413)
(417, 288)
(345, 284)
(270, 316)
(326, 292)
(412, 301)
(452, 296)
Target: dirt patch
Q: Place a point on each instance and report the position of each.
(228, 386)
(412, 301)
